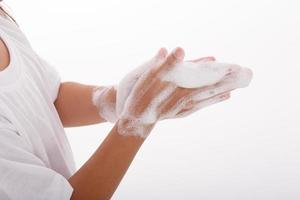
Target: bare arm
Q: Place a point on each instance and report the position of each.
(4, 56)
(75, 106)
(99, 177)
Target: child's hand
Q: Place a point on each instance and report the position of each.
(143, 96)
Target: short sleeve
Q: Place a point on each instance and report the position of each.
(23, 175)
(52, 78)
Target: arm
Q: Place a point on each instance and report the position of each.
(75, 106)
(4, 56)
(99, 177)
(80, 105)
(149, 100)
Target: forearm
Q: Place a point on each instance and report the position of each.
(75, 106)
(99, 177)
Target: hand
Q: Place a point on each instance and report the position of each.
(214, 90)
(104, 97)
(143, 98)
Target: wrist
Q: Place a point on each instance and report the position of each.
(133, 127)
(104, 98)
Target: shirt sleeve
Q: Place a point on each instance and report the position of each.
(23, 175)
(51, 76)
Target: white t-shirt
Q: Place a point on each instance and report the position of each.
(35, 156)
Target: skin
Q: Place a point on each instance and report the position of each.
(146, 89)
(4, 56)
(74, 105)
(99, 177)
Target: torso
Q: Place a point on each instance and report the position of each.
(28, 88)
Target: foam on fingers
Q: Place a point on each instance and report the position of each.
(142, 92)
(198, 74)
(128, 82)
(234, 80)
(204, 103)
(245, 75)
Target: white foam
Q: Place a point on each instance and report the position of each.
(133, 127)
(208, 78)
(127, 83)
(219, 77)
(106, 108)
(150, 115)
(198, 74)
(237, 79)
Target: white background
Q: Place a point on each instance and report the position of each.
(246, 148)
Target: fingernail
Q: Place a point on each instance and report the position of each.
(178, 53)
(161, 53)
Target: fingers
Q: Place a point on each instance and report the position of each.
(176, 56)
(204, 59)
(162, 53)
(173, 100)
(202, 104)
(150, 100)
(127, 83)
(141, 75)
(162, 64)
(194, 102)
(231, 82)
(197, 75)
(183, 94)
(152, 113)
